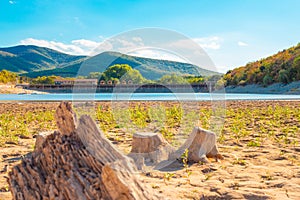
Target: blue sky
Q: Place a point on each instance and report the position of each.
(232, 32)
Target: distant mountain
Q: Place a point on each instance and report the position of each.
(283, 67)
(31, 58)
(33, 61)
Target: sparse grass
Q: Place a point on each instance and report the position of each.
(253, 127)
(17, 125)
(249, 131)
(246, 126)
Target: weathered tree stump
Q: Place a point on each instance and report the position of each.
(149, 149)
(152, 149)
(201, 144)
(147, 142)
(40, 139)
(66, 119)
(76, 162)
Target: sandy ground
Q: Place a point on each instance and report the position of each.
(266, 172)
(12, 89)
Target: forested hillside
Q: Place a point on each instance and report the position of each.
(151, 69)
(34, 61)
(283, 67)
(29, 58)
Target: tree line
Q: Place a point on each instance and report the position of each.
(117, 72)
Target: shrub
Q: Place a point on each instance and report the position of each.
(283, 76)
(7, 77)
(267, 80)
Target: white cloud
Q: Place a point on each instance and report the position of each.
(123, 45)
(242, 44)
(88, 47)
(157, 54)
(12, 2)
(77, 47)
(133, 46)
(85, 43)
(213, 42)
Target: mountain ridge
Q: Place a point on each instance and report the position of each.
(28, 58)
(33, 61)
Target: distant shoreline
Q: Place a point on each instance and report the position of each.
(12, 89)
(277, 88)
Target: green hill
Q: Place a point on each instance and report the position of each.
(22, 59)
(150, 68)
(283, 67)
(14, 63)
(33, 61)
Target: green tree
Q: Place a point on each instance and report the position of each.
(116, 71)
(283, 76)
(172, 79)
(194, 79)
(214, 78)
(95, 75)
(267, 80)
(295, 70)
(220, 84)
(133, 75)
(44, 80)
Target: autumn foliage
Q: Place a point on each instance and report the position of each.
(283, 67)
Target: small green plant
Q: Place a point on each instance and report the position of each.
(105, 118)
(168, 176)
(157, 115)
(184, 158)
(139, 116)
(221, 138)
(174, 115)
(207, 177)
(253, 143)
(239, 161)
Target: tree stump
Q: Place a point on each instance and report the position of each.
(66, 119)
(201, 144)
(76, 162)
(40, 139)
(149, 149)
